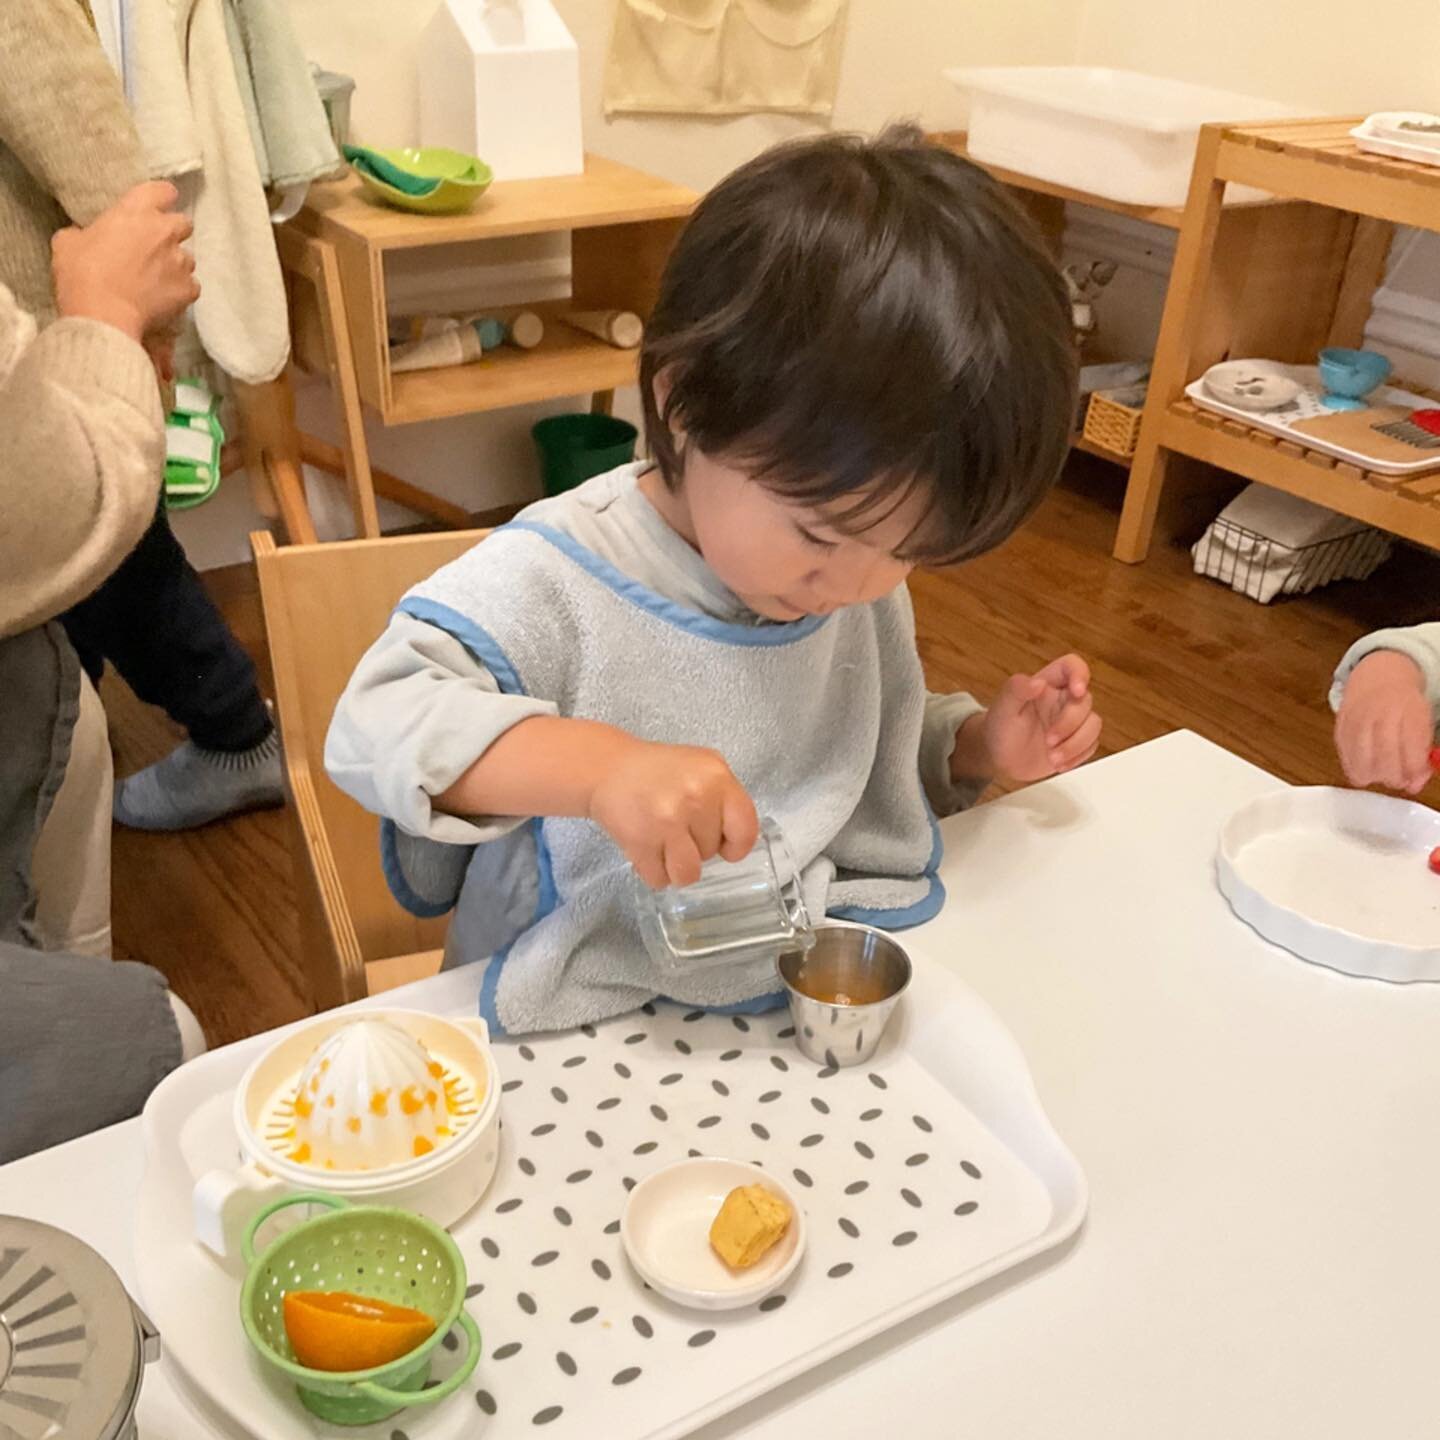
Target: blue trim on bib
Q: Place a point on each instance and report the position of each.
(489, 652)
(395, 878)
(682, 618)
(907, 916)
(756, 1005)
(903, 918)
(479, 641)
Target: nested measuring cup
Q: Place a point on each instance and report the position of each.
(736, 912)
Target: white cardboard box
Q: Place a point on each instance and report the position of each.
(501, 79)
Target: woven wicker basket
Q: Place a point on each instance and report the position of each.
(1112, 419)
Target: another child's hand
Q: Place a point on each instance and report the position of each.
(672, 807)
(128, 267)
(1042, 724)
(1384, 727)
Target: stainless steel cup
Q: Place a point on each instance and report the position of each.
(843, 990)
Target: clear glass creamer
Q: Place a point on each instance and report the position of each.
(748, 910)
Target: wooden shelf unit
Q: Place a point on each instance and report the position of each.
(1317, 164)
(622, 225)
(566, 362)
(1045, 202)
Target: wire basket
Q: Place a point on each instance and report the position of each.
(1112, 419)
(1255, 565)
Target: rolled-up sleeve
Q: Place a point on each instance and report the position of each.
(1421, 643)
(944, 715)
(417, 713)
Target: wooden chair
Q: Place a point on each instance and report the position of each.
(324, 605)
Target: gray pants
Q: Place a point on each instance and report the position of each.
(83, 1042)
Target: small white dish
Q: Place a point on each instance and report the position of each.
(1338, 877)
(666, 1233)
(1257, 385)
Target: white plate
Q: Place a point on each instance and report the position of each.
(1340, 877)
(666, 1232)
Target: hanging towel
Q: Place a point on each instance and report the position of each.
(157, 87)
(293, 142)
(193, 124)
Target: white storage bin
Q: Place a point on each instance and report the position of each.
(1116, 133)
(501, 79)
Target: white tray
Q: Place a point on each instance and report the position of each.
(930, 1170)
(1307, 406)
(1340, 877)
(1392, 147)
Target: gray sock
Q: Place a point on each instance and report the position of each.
(191, 786)
(432, 870)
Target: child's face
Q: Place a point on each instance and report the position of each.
(787, 561)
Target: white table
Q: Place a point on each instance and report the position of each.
(1261, 1136)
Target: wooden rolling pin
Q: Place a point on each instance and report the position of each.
(621, 328)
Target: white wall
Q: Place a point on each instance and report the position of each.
(1334, 55)
(1322, 54)
(894, 50)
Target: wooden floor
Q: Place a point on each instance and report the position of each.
(214, 909)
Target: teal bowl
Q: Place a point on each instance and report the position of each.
(1350, 375)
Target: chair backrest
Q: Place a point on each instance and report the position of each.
(324, 605)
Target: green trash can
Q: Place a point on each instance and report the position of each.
(575, 447)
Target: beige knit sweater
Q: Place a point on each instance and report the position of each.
(82, 443)
(82, 446)
(68, 147)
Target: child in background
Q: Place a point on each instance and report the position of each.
(860, 360)
(1386, 698)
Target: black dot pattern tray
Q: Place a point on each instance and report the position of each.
(902, 1189)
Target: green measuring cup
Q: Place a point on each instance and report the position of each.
(370, 1250)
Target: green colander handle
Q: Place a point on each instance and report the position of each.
(304, 1197)
(441, 1391)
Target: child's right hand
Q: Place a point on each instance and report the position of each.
(672, 807)
(128, 268)
(1384, 728)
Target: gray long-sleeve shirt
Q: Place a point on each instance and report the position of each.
(1421, 643)
(420, 708)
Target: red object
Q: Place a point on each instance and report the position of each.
(1435, 859)
(1427, 420)
(1435, 758)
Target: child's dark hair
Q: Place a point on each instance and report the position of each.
(852, 321)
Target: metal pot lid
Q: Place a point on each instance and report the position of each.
(72, 1345)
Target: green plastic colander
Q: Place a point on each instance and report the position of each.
(370, 1250)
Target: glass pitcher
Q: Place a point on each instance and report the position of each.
(751, 909)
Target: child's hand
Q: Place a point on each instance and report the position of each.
(1384, 728)
(128, 267)
(672, 807)
(1043, 724)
